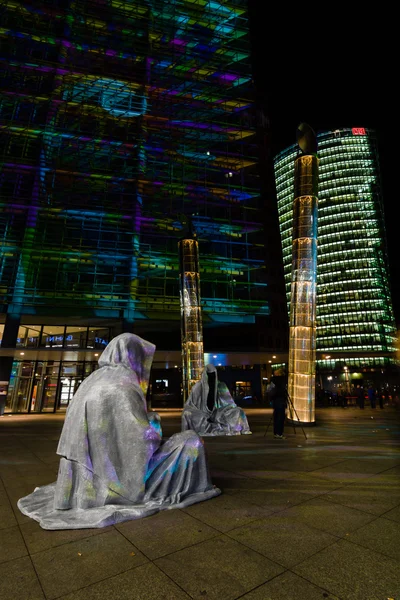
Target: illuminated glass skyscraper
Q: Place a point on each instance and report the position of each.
(123, 124)
(355, 321)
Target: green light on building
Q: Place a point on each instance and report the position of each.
(354, 307)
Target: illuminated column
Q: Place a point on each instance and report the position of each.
(191, 323)
(302, 340)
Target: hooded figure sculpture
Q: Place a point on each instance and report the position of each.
(211, 410)
(113, 466)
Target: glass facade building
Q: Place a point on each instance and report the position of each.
(355, 321)
(124, 124)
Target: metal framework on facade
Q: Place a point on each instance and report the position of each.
(120, 120)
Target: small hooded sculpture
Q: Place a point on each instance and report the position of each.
(113, 465)
(211, 410)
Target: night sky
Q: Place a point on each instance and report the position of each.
(332, 76)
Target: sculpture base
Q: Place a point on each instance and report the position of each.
(300, 423)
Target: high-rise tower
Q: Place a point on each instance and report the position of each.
(355, 322)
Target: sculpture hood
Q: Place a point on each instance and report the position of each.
(132, 352)
(109, 406)
(199, 394)
(210, 408)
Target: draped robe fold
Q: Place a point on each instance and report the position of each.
(221, 416)
(113, 465)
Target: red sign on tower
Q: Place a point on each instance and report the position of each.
(358, 131)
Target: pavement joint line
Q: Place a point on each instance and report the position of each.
(385, 513)
(315, 585)
(218, 533)
(81, 539)
(231, 539)
(295, 565)
(261, 584)
(254, 478)
(37, 574)
(271, 515)
(24, 445)
(359, 545)
(84, 587)
(212, 526)
(364, 512)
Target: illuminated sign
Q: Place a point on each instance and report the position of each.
(59, 338)
(358, 131)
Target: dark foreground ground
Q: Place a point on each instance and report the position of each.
(301, 520)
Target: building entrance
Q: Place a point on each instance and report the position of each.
(44, 386)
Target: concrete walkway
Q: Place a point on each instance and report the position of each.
(301, 520)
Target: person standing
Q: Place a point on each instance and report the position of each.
(360, 396)
(372, 396)
(278, 395)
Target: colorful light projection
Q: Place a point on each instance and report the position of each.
(191, 320)
(302, 333)
(116, 118)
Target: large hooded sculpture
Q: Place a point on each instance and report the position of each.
(211, 410)
(113, 466)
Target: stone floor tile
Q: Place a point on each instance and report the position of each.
(381, 535)
(352, 470)
(146, 582)
(274, 537)
(35, 470)
(324, 515)
(15, 495)
(390, 478)
(289, 586)
(280, 494)
(352, 572)
(240, 483)
(11, 544)
(218, 569)
(226, 512)
(7, 517)
(38, 539)
(18, 581)
(270, 473)
(69, 567)
(307, 464)
(227, 481)
(48, 458)
(4, 500)
(8, 471)
(166, 532)
(29, 482)
(272, 496)
(305, 483)
(393, 515)
(291, 480)
(394, 471)
(368, 495)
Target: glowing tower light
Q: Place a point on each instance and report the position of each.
(191, 321)
(302, 333)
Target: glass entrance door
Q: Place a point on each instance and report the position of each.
(20, 388)
(49, 390)
(71, 378)
(68, 387)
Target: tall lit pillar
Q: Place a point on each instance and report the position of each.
(302, 336)
(191, 322)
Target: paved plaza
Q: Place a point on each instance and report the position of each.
(298, 519)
